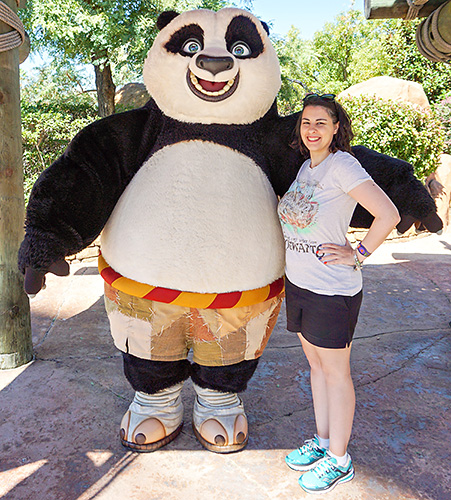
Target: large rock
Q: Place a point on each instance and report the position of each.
(386, 87)
(131, 96)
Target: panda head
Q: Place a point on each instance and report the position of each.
(212, 67)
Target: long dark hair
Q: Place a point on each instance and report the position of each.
(342, 139)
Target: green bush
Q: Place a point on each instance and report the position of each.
(54, 107)
(47, 128)
(443, 112)
(397, 129)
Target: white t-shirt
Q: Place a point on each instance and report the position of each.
(317, 210)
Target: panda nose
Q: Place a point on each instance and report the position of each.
(214, 64)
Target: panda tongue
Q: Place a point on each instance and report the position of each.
(211, 86)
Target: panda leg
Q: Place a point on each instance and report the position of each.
(155, 416)
(219, 421)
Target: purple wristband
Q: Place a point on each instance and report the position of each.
(362, 250)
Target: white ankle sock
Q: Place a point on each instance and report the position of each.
(324, 443)
(341, 461)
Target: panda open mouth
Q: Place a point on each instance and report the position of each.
(211, 91)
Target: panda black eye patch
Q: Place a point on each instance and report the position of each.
(241, 28)
(178, 39)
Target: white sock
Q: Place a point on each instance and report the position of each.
(341, 461)
(324, 443)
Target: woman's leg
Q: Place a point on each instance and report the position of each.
(333, 393)
(319, 388)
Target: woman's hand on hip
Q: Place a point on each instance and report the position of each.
(330, 253)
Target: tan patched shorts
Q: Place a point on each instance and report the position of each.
(164, 332)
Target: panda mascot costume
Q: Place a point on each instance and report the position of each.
(184, 192)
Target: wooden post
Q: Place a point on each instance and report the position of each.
(16, 346)
(391, 9)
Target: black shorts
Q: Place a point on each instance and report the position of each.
(323, 320)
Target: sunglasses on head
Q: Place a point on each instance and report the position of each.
(326, 97)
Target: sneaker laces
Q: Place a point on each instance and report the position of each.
(309, 445)
(324, 468)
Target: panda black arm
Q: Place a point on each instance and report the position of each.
(397, 179)
(72, 199)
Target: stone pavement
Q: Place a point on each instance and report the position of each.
(59, 415)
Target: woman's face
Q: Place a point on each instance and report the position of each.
(317, 129)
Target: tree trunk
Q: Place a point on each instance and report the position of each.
(105, 90)
(16, 346)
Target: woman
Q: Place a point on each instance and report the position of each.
(323, 278)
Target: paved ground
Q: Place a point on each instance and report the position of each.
(59, 415)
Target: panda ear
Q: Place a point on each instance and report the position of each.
(165, 18)
(265, 26)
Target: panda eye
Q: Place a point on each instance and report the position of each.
(240, 49)
(191, 46)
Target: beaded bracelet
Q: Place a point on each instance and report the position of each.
(357, 263)
(362, 250)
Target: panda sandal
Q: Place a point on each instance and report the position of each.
(152, 421)
(221, 429)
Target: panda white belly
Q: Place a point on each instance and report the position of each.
(197, 217)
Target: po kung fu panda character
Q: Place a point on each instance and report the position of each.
(184, 191)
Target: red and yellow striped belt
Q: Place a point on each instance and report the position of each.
(189, 299)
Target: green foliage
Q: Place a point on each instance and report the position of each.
(398, 130)
(407, 63)
(84, 30)
(117, 32)
(343, 53)
(294, 55)
(337, 46)
(350, 50)
(54, 108)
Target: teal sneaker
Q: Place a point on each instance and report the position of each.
(326, 475)
(307, 456)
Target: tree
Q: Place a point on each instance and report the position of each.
(346, 51)
(296, 57)
(92, 32)
(407, 63)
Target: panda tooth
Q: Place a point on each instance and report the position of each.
(226, 88)
(193, 78)
(230, 82)
(199, 87)
(222, 92)
(214, 93)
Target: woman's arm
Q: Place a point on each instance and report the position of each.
(386, 216)
(371, 197)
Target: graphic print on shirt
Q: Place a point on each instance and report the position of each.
(298, 209)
